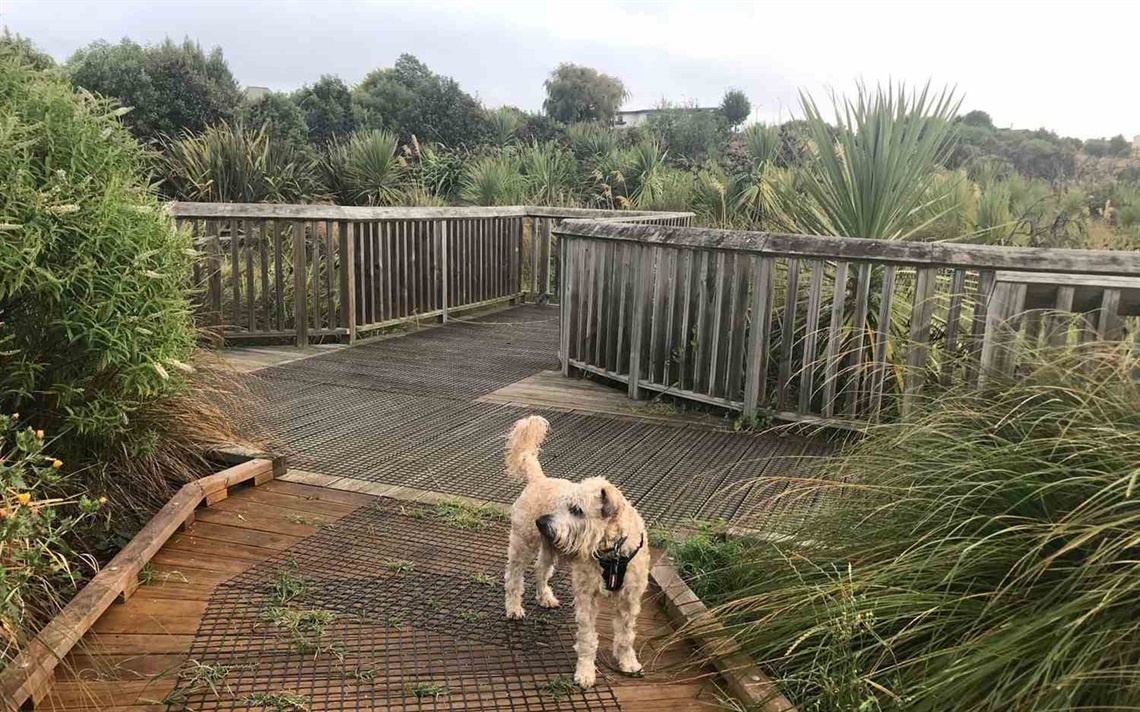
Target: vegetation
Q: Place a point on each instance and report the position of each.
(96, 335)
(327, 108)
(979, 555)
(170, 88)
(575, 94)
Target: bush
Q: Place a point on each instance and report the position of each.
(980, 555)
(36, 563)
(96, 334)
(92, 272)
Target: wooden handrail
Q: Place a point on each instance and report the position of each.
(920, 254)
(278, 211)
(27, 676)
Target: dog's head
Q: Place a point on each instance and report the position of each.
(590, 518)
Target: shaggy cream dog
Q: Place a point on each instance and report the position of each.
(590, 525)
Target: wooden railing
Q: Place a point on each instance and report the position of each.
(839, 330)
(301, 272)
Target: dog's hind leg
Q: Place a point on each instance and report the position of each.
(520, 553)
(543, 568)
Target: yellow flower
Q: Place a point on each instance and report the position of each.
(39, 435)
(24, 497)
(56, 464)
(102, 500)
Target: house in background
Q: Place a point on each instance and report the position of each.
(638, 117)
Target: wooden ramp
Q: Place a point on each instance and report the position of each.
(410, 600)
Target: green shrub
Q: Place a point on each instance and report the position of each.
(36, 563)
(93, 273)
(980, 555)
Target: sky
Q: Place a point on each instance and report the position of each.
(1073, 67)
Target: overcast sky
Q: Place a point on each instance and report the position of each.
(1070, 66)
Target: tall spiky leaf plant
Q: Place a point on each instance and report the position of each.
(874, 177)
(982, 554)
(550, 174)
(492, 180)
(365, 169)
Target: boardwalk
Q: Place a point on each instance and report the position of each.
(429, 409)
(347, 585)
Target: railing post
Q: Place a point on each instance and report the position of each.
(640, 280)
(564, 296)
(922, 311)
(531, 225)
(214, 275)
(300, 286)
(348, 280)
(441, 233)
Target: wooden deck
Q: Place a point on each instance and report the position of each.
(132, 657)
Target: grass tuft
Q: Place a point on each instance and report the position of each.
(462, 515)
(427, 689)
(981, 554)
(560, 688)
(277, 702)
(400, 567)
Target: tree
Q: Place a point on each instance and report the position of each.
(1119, 146)
(692, 135)
(327, 108)
(735, 107)
(978, 118)
(171, 88)
(412, 100)
(281, 118)
(575, 93)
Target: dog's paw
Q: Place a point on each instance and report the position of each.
(516, 614)
(629, 665)
(584, 679)
(548, 601)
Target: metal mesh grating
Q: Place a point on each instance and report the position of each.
(392, 632)
(403, 412)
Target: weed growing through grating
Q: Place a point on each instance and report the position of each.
(400, 567)
(483, 579)
(414, 512)
(427, 689)
(394, 621)
(471, 616)
(461, 515)
(303, 627)
(560, 688)
(361, 674)
(277, 702)
(288, 584)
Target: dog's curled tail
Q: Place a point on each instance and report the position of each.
(522, 448)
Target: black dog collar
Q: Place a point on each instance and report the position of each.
(614, 563)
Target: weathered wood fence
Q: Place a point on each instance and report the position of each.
(813, 328)
(302, 272)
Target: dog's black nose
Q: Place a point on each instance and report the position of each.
(544, 527)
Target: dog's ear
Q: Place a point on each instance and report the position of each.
(609, 504)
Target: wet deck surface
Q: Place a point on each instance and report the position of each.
(429, 410)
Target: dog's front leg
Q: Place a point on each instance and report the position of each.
(586, 583)
(520, 552)
(625, 624)
(543, 568)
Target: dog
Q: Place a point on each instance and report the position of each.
(589, 524)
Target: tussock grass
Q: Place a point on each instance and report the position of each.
(981, 555)
(427, 689)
